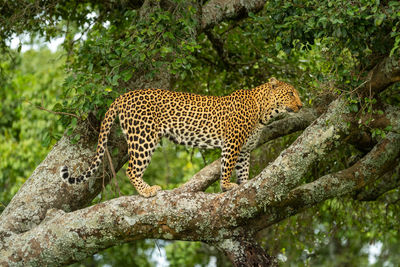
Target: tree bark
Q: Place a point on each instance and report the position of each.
(389, 181)
(244, 251)
(216, 11)
(384, 74)
(44, 190)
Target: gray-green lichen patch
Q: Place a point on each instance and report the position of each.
(393, 114)
(131, 220)
(168, 236)
(247, 212)
(232, 247)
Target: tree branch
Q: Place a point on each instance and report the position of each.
(202, 179)
(216, 11)
(389, 181)
(364, 172)
(243, 251)
(384, 74)
(290, 124)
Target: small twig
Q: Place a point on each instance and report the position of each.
(54, 112)
(159, 250)
(113, 171)
(203, 157)
(231, 27)
(355, 89)
(103, 191)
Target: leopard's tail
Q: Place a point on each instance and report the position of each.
(101, 147)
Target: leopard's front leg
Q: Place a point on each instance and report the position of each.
(230, 154)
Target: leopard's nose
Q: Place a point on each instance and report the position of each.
(299, 106)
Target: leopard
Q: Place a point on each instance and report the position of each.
(232, 123)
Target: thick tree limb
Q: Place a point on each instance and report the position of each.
(389, 181)
(369, 168)
(245, 252)
(384, 74)
(364, 172)
(215, 11)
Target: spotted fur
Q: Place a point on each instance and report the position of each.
(232, 123)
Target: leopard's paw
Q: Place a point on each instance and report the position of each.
(228, 186)
(150, 191)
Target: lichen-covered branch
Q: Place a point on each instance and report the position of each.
(384, 74)
(215, 11)
(290, 124)
(389, 181)
(203, 179)
(44, 189)
(245, 251)
(364, 172)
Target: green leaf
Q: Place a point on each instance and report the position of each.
(74, 122)
(46, 140)
(166, 50)
(388, 128)
(353, 107)
(127, 75)
(379, 19)
(115, 79)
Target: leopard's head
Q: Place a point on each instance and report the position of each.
(286, 97)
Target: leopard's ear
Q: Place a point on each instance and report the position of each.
(274, 82)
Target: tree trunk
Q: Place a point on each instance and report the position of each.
(246, 252)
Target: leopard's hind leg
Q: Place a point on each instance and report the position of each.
(242, 167)
(141, 145)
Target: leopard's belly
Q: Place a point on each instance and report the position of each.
(192, 137)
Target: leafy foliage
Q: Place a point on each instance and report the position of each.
(31, 79)
(132, 46)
